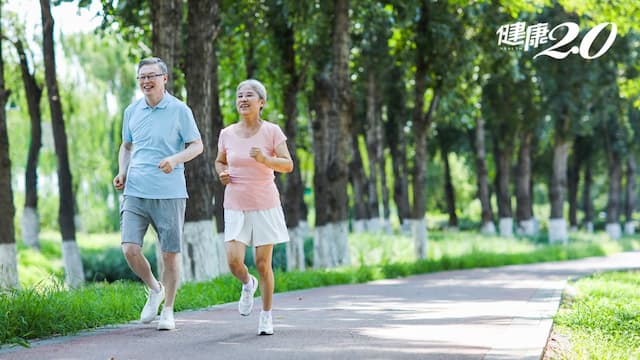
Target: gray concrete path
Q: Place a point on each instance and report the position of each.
(497, 313)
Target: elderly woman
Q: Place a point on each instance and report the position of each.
(249, 152)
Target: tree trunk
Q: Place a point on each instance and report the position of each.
(358, 181)
(573, 180)
(524, 215)
(630, 195)
(557, 223)
(396, 141)
(422, 124)
(293, 197)
(30, 218)
(166, 36)
(70, 251)
(294, 206)
(482, 179)
(8, 251)
(374, 144)
(203, 255)
(331, 126)
(587, 202)
(503, 149)
(449, 192)
(613, 227)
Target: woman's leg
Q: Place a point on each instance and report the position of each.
(263, 264)
(235, 258)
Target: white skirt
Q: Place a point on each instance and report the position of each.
(256, 227)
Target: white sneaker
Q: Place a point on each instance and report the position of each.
(167, 321)
(150, 309)
(245, 305)
(265, 327)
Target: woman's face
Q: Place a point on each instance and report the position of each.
(248, 101)
(151, 80)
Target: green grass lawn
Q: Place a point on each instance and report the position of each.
(43, 307)
(601, 318)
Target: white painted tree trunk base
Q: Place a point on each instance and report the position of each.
(614, 230)
(203, 253)
(295, 250)
(573, 229)
(331, 245)
(406, 227)
(528, 227)
(505, 225)
(589, 227)
(630, 228)
(8, 267)
(359, 226)
(74, 273)
(420, 237)
(30, 224)
(387, 228)
(488, 228)
(374, 225)
(558, 231)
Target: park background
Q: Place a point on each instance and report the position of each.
(422, 141)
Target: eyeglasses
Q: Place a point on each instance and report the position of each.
(148, 77)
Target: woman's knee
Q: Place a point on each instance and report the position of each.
(263, 265)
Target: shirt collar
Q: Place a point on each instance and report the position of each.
(161, 105)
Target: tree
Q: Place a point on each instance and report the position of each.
(295, 210)
(8, 251)
(33, 90)
(204, 256)
(331, 129)
(166, 36)
(70, 252)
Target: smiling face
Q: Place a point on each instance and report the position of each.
(152, 80)
(248, 102)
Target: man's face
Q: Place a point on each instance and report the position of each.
(151, 80)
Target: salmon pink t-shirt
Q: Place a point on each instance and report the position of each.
(252, 184)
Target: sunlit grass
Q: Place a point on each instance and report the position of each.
(602, 320)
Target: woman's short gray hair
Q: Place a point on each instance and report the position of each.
(256, 86)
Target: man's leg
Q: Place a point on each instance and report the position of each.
(140, 265)
(170, 276)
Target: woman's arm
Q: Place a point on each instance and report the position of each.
(281, 162)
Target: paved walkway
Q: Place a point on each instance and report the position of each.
(498, 313)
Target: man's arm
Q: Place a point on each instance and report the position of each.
(191, 150)
(124, 156)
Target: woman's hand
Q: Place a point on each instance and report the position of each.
(224, 177)
(256, 153)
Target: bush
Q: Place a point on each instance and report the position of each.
(110, 265)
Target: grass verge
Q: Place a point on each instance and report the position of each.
(601, 318)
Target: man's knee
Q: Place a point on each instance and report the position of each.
(131, 250)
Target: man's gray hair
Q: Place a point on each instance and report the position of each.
(152, 61)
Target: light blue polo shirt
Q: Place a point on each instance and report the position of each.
(156, 133)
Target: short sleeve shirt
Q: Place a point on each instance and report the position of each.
(252, 184)
(157, 132)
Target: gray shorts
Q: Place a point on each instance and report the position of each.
(165, 215)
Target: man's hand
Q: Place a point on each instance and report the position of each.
(167, 164)
(119, 181)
